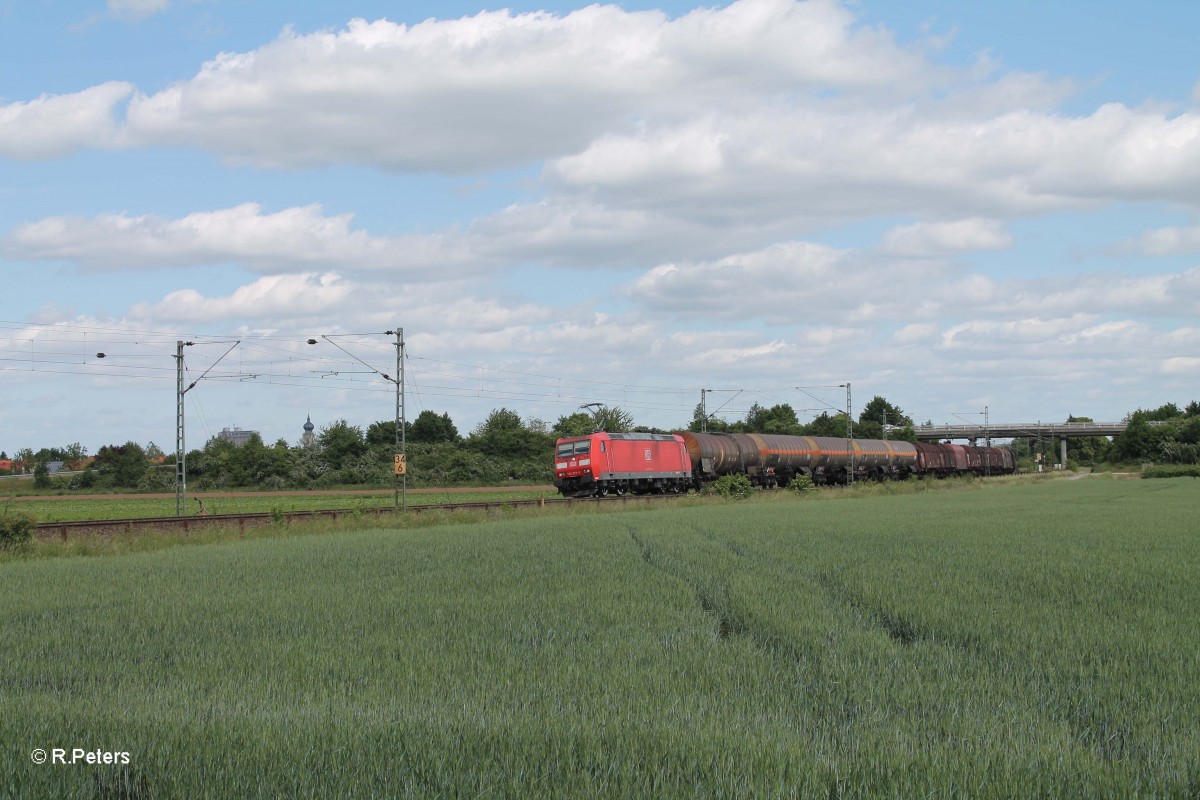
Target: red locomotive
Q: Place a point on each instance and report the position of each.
(641, 463)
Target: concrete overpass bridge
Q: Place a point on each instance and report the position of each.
(1020, 430)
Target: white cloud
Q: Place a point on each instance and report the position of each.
(813, 160)
(914, 333)
(946, 238)
(499, 88)
(294, 239)
(1168, 241)
(137, 9)
(779, 284)
(294, 297)
(52, 126)
(1181, 365)
(496, 88)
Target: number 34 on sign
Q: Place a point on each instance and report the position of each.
(401, 465)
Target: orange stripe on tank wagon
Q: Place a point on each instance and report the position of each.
(831, 453)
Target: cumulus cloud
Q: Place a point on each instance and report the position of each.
(297, 238)
(804, 283)
(827, 163)
(499, 88)
(778, 284)
(1167, 241)
(52, 126)
(946, 238)
(272, 296)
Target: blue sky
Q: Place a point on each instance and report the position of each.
(950, 205)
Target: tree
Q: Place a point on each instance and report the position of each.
(341, 442)
(713, 424)
(382, 434)
(433, 427)
(613, 419)
(121, 465)
(1164, 434)
(610, 419)
(74, 454)
(41, 476)
(826, 425)
(881, 411)
(503, 434)
(778, 419)
(577, 424)
(1087, 449)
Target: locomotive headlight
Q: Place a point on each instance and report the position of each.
(584, 462)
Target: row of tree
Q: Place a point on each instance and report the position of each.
(505, 448)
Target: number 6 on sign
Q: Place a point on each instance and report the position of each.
(401, 466)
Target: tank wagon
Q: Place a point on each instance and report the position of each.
(642, 463)
(770, 460)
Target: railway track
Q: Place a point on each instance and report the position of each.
(193, 524)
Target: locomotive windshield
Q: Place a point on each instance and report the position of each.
(574, 448)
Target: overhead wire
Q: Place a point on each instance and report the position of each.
(293, 366)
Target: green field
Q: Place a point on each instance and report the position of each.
(1037, 640)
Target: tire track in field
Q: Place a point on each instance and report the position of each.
(901, 629)
(714, 598)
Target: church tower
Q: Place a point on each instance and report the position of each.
(308, 439)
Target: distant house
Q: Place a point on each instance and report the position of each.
(238, 436)
(6, 465)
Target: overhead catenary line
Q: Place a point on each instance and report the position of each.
(279, 360)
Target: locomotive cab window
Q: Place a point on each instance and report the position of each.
(566, 449)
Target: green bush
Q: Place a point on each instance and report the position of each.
(1171, 471)
(735, 487)
(84, 480)
(16, 529)
(41, 476)
(801, 484)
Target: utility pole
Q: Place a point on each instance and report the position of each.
(401, 442)
(987, 442)
(849, 419)
(703, 412)
(180, 445)
(849, 434)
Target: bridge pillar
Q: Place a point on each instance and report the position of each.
(1063, 442)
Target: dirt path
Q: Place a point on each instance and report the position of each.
(163, 496)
